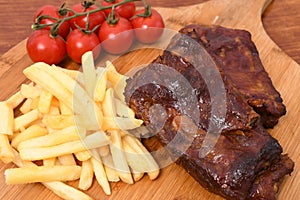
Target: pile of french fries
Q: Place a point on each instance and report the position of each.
(76, 125)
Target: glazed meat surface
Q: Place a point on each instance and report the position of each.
(267, 184)
(188, 92)
(237, 158)
(237, 56)
(235, 162)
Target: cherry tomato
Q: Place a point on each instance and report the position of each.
(42, 47)
(79, 42)
(126, 10)
(52, 11)
(116, 38)
(94, 19)
(148, 29)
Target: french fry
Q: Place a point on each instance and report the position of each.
(16, 99)
(86, 176)
(83, 121)
(6, 151)
(61, 189)
(49, 162)
(101, 83)
(120, 87)
(83, 155)
(31, 132)
(90, 116)
(67, 159)
(81, 131)
(41, 174)
(6, 118)
(43, 79)
(120, 123)
(53, 111)
(59, 121)
(26, 119)
(100, 173)
(35, 122)
(98, 115)
(108, 106)
(111, 173)
(35, 103)
(44, 102)
(6, 160)
(70, 113)
(30, 91)
(89, 72)
(39, 153)
(118, 80)
(26, 106)
(103, 151)
(112, 75)
(68, 134)
(65, 110)
(137, 162)
(137, 176)
(123, 110)
(109, 124)
(60, 77)
(65, 191)
(110, 66)
(74, 96)
(150, 166)
(96, 140)
(139, 132)
(119, 158)
(74, 74)
(82, 103)
(80, 96)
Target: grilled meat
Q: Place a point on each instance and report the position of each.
(267, 184)
(188, 91)
(237, 56)
(175, 99)
(237, 159)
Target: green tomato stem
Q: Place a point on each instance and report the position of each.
(57, 22)
(147, 12)
(110, 1)
(112, 18)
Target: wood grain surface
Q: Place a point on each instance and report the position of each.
(281, 21)
(174, 182)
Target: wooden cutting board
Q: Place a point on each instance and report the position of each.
(174, 182)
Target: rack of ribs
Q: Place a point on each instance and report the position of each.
(237, 56)
(245, 161)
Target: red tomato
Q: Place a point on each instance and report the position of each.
(148, 29)
(126, 10)
(94, 19)
(52, 11)
(117, 38)
(42, 47)
(79, 42)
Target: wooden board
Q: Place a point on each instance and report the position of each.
(174, 182)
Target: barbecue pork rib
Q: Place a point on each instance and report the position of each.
(246, 162)
(237, 56)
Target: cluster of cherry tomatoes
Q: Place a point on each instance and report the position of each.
(86, 26)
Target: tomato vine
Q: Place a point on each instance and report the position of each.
(90, 26)
(65, 10)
